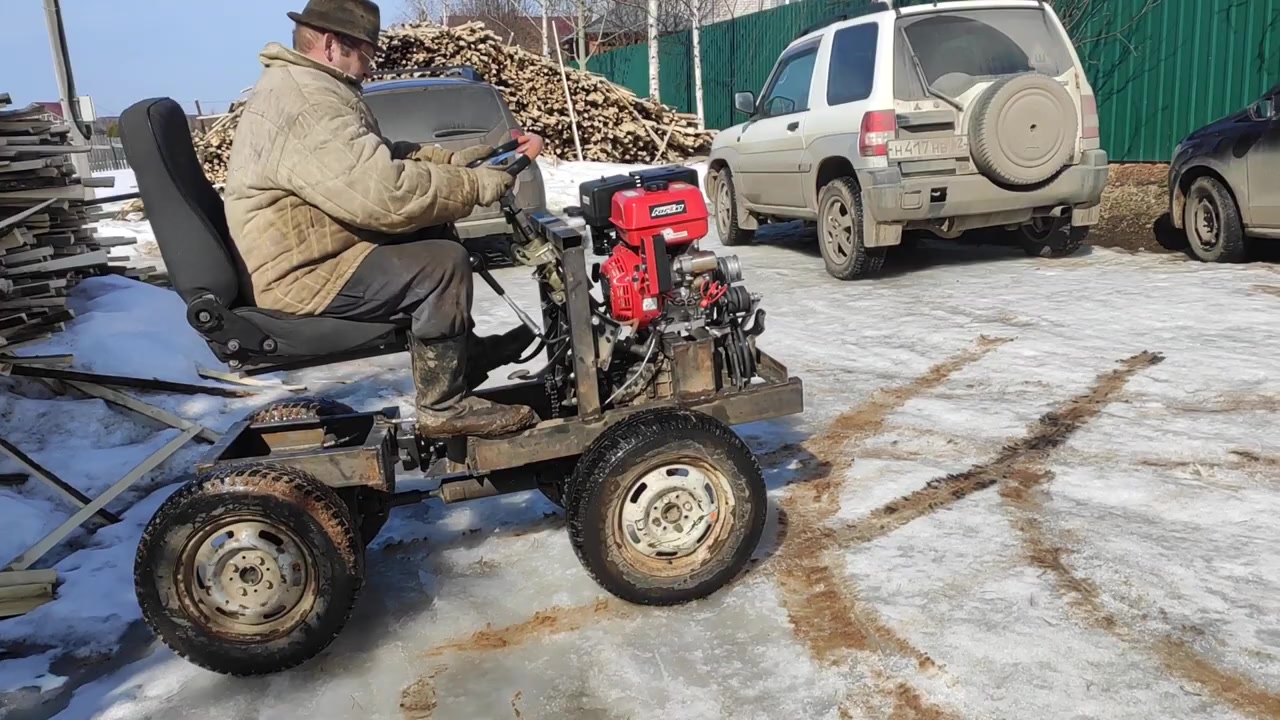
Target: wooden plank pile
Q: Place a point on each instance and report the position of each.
(47, 243)
(613, 124)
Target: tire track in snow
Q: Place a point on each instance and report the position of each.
(834, 621)
(818, 495)
(1025, 500)
(1044, 436)
(418, 699)
(823, 608)
(1024, 494)
(556, 620)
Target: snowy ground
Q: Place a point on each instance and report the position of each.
(1025, 517)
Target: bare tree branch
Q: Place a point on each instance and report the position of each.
(1080, 16)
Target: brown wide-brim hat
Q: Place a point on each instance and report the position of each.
(360, 19)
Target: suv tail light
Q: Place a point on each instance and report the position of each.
(878, 128)
(1089, 109)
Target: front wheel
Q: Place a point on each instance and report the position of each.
(1213, 224)
(249, 570)
(666, 507)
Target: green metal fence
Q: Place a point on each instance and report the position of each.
(1172, 69)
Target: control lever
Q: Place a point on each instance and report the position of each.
(478, 266)
(499, 151)
(519, 220)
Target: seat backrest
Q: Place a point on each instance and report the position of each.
(185, 211)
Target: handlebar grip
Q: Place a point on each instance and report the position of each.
(502, 149)
(519, 166)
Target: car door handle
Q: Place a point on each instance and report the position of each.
(793, 126)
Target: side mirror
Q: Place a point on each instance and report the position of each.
(1264, 109)
(745, 103)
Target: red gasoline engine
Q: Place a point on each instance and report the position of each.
(648, 225)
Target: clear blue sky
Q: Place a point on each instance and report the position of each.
(123, 51)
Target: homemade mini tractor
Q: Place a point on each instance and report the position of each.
(255, 565)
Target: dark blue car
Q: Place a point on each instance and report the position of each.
(1224, 182)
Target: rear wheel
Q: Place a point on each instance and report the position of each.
(1213, 225)
(666, 507)
(1049, 237)
(728, 217)
(368, 508)
(299, 408)
(249, 570)
(840, 233)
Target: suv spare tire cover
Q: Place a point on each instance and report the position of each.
(1023, 129)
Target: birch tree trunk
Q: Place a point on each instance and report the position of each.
(695, 35)
(654, 90)
(582, 35)
(546, 46)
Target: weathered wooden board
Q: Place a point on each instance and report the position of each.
(25, 214)
(9, 578)
(17, 197)
(98, 257)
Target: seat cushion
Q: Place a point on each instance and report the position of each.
(315, 335)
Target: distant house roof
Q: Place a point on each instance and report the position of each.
(53, 108)
(524, 31)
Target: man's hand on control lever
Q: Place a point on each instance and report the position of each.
(496, 182)
(469, 155)
(530, 146)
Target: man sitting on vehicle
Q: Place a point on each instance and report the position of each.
(329, 215)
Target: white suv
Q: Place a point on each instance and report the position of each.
(943, 117)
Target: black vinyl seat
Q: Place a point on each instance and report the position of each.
(205, 268)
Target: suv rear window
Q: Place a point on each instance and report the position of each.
(438, 113)
(853, 64)
(959, 49)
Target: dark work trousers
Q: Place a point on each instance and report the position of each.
(429, 280)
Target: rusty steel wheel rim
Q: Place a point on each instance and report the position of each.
(673, 516)
(1206, 223)
(247, 577)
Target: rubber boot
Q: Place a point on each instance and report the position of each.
(488, 353)
(444, 407)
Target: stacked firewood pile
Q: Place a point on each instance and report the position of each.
(47, 242)
(613, 124)
(213, 146)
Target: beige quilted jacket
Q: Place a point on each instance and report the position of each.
(313, 187)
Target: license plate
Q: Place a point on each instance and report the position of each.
(956, 145)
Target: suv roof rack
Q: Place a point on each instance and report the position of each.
(465, 72)
(873, 7)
